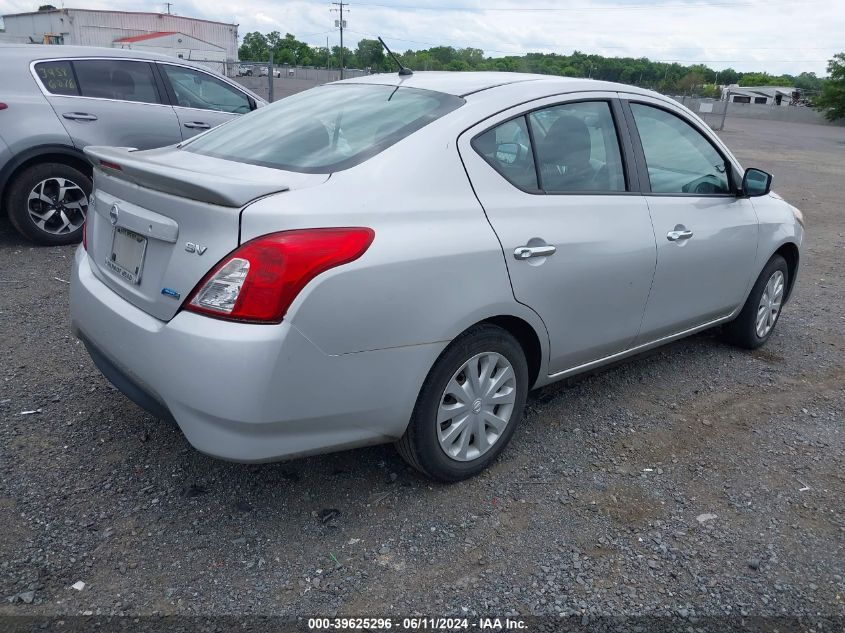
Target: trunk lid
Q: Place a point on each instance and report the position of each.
(158, 224)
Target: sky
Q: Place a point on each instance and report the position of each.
(776, 36)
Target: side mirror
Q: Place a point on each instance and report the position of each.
(756, 182)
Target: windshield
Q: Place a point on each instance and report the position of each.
(325, 129)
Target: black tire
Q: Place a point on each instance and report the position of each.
(420, 446)
(17, 202)
(742, 331)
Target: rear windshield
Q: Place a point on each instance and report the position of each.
(325, 129)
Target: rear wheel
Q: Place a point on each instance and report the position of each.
(48, 202)
(469, 406)
(756, 322)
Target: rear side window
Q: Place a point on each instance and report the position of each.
(116, 79)
(577, 148)
(507, 147)
(325, 129)
(194, 89)
(57, 77)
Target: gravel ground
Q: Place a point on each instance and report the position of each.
(696, 481)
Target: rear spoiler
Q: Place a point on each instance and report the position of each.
(169, 170)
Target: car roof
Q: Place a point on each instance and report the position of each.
(27, 53)
(33, 52)
(462, 84)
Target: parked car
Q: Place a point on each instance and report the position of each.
(400, 259)
(246, 70)
(58, 99)
(265, 71)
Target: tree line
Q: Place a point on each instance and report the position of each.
(665, 77)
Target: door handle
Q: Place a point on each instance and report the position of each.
(678, 235)
(527, 252)
(198, 125)
(79, 116)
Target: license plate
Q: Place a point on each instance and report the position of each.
(127, 254)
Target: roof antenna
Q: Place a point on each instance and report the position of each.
(403, 72)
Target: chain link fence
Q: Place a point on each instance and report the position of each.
(276, 81)
(716, 112)
(712, 111)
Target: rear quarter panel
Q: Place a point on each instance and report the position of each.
(434, 268)
(29, 121)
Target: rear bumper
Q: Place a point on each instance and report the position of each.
(246, 392)
(137, 393)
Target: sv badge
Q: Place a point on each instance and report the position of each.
(195, 248)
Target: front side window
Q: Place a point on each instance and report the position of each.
(116, 79)
(507, 147)
(679, 158)
(325, 129)
(577, 148)
(195, 89)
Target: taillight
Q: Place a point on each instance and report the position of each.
(258, 281)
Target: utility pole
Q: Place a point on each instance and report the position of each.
(341, 24)
(168, 5)
(270, 86)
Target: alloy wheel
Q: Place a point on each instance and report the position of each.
(57, 206)
(770, 304)
(476, 406)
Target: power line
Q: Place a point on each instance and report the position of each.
(578, 47)
(402, 39)
(687, 61)
(737, 61)
(629, 7)
(301, 37)
(691, 48)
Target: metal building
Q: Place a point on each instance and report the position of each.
(178, 45)
(762, 95)
(175, 35)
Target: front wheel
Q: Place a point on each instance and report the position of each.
(48, 202)
(469, 405)
(756, 322)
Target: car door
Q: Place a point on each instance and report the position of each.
(201, 100)
(706, 235)
(109, 102)
(575, 231)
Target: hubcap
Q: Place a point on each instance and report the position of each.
(770, 302)
(476, 406)
(57, 206)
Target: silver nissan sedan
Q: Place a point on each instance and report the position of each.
(402, 258)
